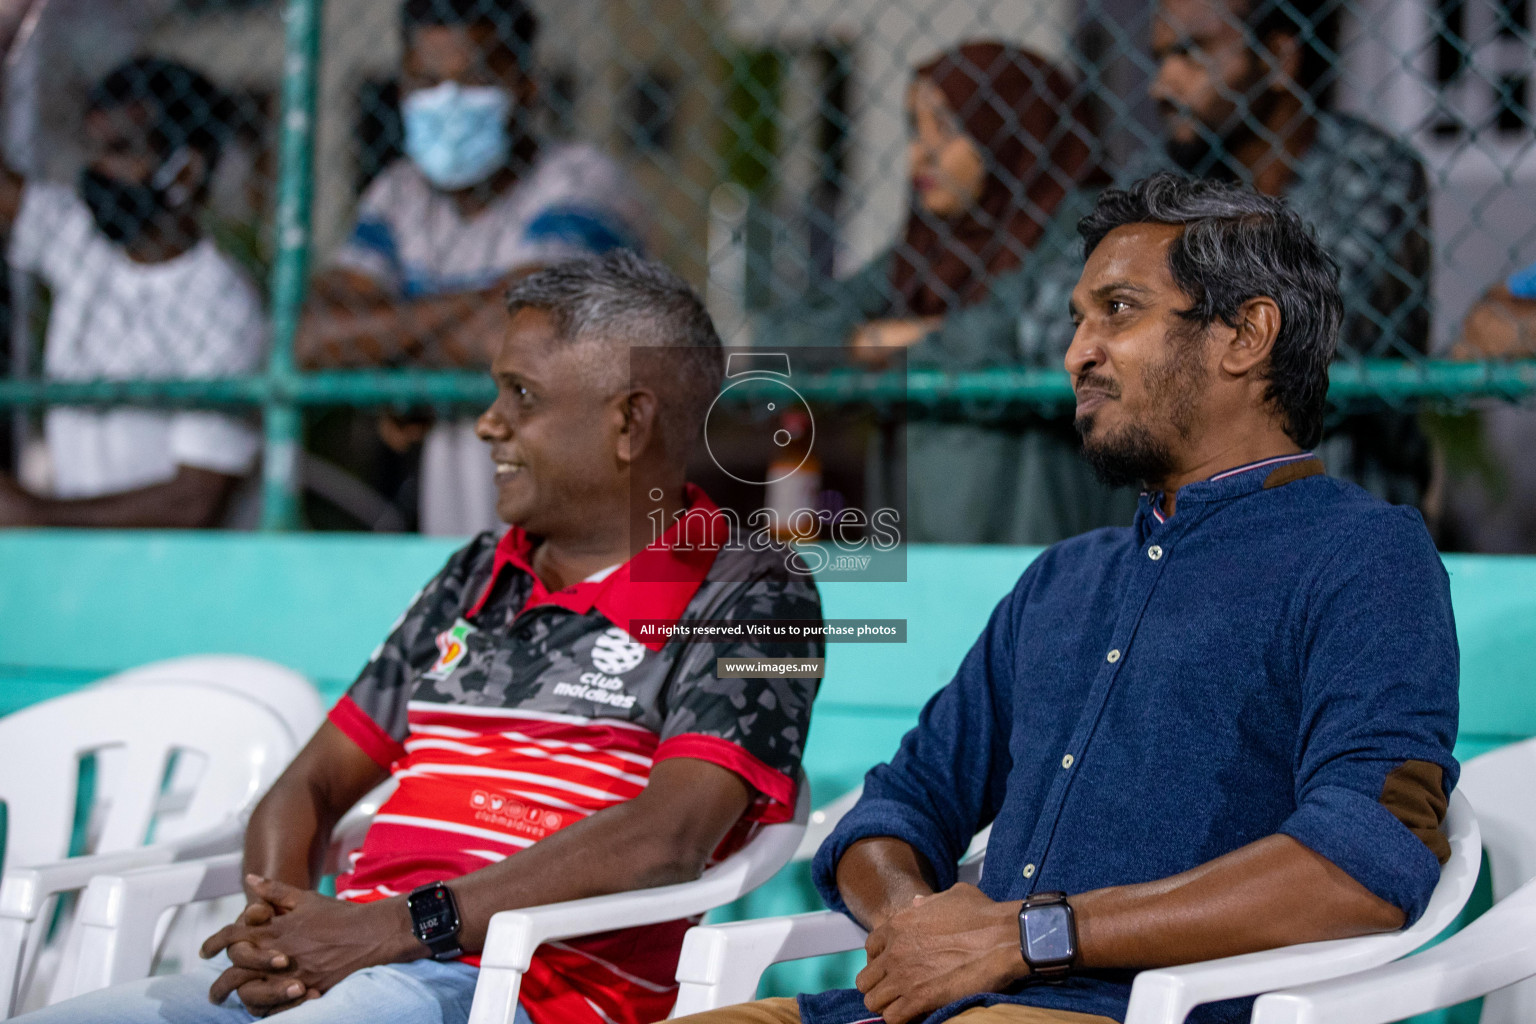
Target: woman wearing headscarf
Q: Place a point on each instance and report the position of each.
(1002, 168)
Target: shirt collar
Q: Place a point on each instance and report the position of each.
(656, 583)
(1231, 483)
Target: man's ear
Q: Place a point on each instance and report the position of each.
(1258, 325)
(639, 429)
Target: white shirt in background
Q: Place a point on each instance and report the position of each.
(410, 238)
(196, 316)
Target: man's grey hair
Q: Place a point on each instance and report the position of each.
(1239, 245)
(649, 327)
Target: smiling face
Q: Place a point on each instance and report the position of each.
(1139, 370)
(948, 169)
(553, 432)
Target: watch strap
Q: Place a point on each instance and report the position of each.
(446, 948)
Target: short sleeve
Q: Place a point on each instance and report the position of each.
(757, 728)
(214, 441)
(371, 248)
(1379, 711)
(585, 205)
(1522, 283)
(51, 216)
(373, 711)
(218, 325)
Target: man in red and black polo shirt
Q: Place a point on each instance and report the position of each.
(520, 716)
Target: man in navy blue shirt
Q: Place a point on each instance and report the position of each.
(1223, 729)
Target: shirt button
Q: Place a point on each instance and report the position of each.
(1154, 552)
(1029, 871)
(1066, 762)
(1113, 656)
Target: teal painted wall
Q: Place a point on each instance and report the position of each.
(78, 606)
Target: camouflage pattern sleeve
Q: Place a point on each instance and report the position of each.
(755, 727)
(373, 711)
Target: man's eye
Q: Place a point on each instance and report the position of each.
(1116, 306)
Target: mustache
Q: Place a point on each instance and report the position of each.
(1106, 386)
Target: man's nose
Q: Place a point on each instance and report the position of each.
(1161, 91)
(492, 427)
(1083, 354)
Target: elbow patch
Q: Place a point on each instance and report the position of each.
(1414, 793)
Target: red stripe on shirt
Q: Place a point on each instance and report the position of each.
(775, 785)
(366, 733)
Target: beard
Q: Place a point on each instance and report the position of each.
(1137, 455)
(1128, 458)
(1209, 154)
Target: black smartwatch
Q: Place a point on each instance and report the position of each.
(435, 919)
(1048, 935)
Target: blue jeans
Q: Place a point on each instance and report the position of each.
(420, 992)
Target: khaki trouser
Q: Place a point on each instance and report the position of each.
(784, 1011)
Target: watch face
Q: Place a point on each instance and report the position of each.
(433, 914)
(1047, 935)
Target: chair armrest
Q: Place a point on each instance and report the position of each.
(1166, 995)
(118, 915)
(515, 934)
(722, 964)
(1496, 950)
(24, 891)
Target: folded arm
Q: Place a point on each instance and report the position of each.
(193, 498)
(351, 321)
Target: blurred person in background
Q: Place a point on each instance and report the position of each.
(1502, 324)
(1488, 497)
(1000, 149)
(138, 291)
(1241, 87)
(478, 201)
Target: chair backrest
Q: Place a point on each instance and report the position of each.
(242, 746)
(280, 689)
(1501, 786)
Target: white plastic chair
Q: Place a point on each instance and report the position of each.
(286, 693)
(117, 911)
(722, 964)
(1496, 950)
(136, 729)
(1488, 957)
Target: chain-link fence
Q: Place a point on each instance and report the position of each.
(277, 234)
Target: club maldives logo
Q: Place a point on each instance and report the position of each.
(452, 645)
(614, 653)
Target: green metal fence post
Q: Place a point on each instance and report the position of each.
(280, 478)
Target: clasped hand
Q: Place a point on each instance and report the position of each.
(938, 949)
(292, 944)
